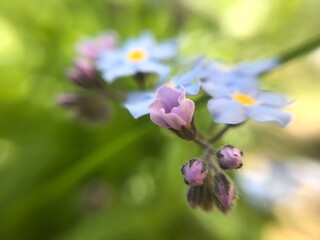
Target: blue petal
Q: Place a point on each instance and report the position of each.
(153, 67)
(145, 40)
(164, 50)
(262, 113)
(190, 80)
(192, 89)
(121, 70)
(226, 111)
(230, 85)
(138, 102)
(273, 99)
(257, 68)
(108, 59)
(216, 90)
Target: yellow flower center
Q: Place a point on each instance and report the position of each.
(137, 55)
(169, 84)
(244, 99)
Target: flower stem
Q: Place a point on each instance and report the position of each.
(208, 160)
(219, 134)
(303, 48)
(201, 142)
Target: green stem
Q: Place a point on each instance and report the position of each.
(219, 134)
(303, 48)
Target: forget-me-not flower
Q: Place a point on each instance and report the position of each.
(138, 102)
(216, 76)
(240, 102)
(140, 55)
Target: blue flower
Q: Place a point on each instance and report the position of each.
(219, 71)
(244, 101)
(137, 55)
(138, 102)
(217, 78)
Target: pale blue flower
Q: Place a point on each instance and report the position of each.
(141, 55)
(217, 77)
(218, 71)
(138, 102)
(236, 104)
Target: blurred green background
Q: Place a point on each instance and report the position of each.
(69, 180)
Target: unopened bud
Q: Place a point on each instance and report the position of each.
(200, 197)
(224, 191)
(230, 157)
(171, 109)
(195, 172)
(93, 108)
(84, 74)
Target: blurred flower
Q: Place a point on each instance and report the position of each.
(230, 157)
(92, 108)
(83, 73)
(138, 102)
(224, 192)
(91, 48)
(173, 110)
(195, 172)
(289, 189)
(220, 72)
(140, 55)
(218, 78)
(244, 100)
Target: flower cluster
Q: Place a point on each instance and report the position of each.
(233, 96)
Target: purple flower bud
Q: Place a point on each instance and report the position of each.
(173, 110)
(224, 192)
(201, 196)
(84, 74)
(92, 108)
(230, 157)
(195, 172)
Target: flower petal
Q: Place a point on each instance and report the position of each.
(169, 96)
(185, 110)
(225, 110)
(153, 67)
(156, 116)
(273, 99)
(137, 103)
(164, 50)
(256, 68)
(172, 119)
(263, 113)
(122, 70)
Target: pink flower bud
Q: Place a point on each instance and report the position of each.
(84, 74)
(90, 48)
(195, 172)
(230, 157)
(173, 110)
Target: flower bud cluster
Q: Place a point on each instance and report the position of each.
(209, 186)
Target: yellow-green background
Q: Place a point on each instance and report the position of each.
(68, 180)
